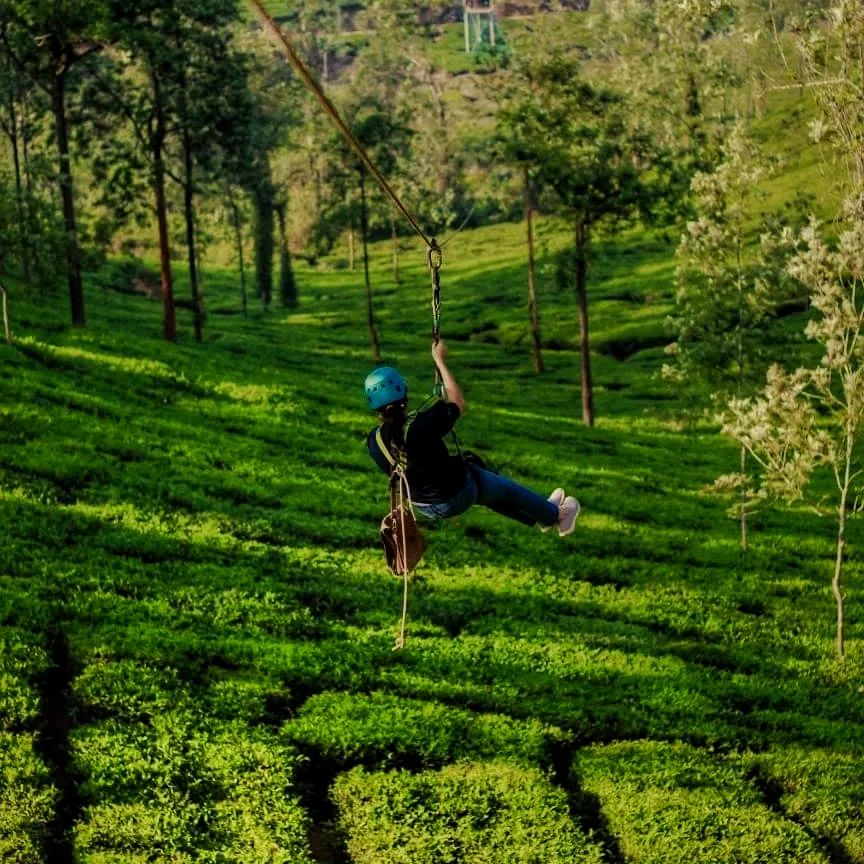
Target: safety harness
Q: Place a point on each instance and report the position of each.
(401, 537)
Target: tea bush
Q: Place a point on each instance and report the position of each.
(821, 789)
(186, 786)
(22, 660)
(27, 792)
(385, 730)
(471, 813)
(196, 524)
(27, 800)
(672, 803)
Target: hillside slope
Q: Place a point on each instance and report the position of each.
(197, 624)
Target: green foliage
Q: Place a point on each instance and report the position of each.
(821, 790)
(188, 787)
(22, 660)
(27, 794)
(725, 293)
(200, 523)
(27, 800)
(575, 137)
(391, 731)
(675, 803)
(467, 813)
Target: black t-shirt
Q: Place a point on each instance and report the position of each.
(433, 474)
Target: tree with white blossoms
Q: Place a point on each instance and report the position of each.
(815, 416)
(726, 293)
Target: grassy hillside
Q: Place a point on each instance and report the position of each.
(197, 623)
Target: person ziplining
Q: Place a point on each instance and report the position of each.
(441, 485)
(411, 447)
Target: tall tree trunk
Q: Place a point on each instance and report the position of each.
(287, 283)
(581, 266)
(352, 252)
(238, 240)
(692, 104)
(191, 245)
(740, 360)
(7, 330)
(370, 312)
(67, 195)
(837, 580)
(533, 312)
(263, 231)
(157, 143)
(23, 241)
(394, 236)
(745, 544)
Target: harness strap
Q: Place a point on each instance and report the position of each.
(385, 450)
(400, 462)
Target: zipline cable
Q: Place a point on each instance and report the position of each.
(272, 28)
(435, 258)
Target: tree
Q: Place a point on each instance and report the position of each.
(263, 197)
(174, 81)
(815, 416)
(533, 312)
(287, 283)
(46, 39)
(14, 86)
(576, 140)
(831, 50)
(384, 138)
(726, 294)
(663, 52)
(262, 110)
(8, 242)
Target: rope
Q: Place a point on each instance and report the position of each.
(435, 262)
(435, 254)
(293, 58)
(403, 624)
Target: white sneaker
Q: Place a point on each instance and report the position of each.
(556, 498)
(568, 513)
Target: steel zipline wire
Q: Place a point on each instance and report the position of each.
(276, 34)
(435, 257)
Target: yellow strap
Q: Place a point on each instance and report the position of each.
(379, 440)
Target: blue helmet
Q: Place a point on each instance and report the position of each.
(383, 386)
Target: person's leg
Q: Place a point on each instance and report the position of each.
(459, 503)
(508, 498)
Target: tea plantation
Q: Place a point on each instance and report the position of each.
(197, 623)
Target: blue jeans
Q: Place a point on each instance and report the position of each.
(498, 493)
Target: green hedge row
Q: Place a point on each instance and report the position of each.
(391, 731)
(823, 790)
(187, 789)
(22, 659)
(469, 813)
(674, 804)
(27, 796)
(27, 800)
(165, 774)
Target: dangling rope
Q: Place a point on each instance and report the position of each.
(403, 486)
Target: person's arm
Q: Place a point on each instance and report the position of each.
(451, 388)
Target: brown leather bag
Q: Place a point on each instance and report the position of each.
(403, 551)
(400, 535)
